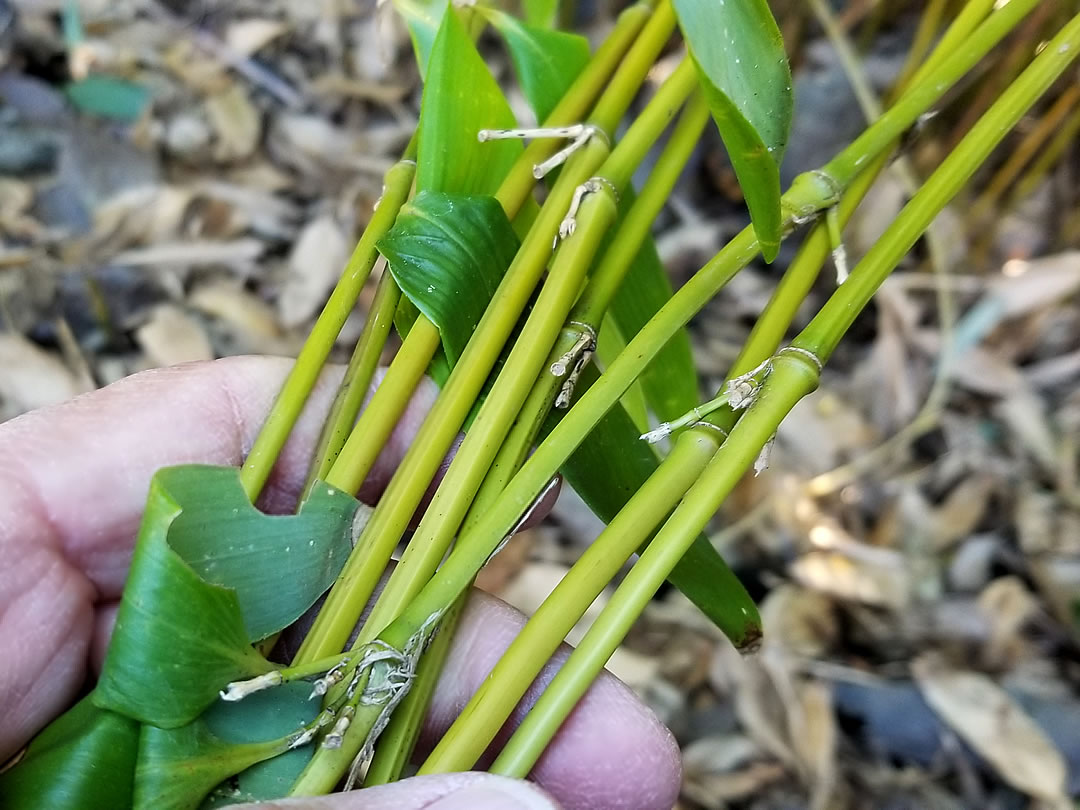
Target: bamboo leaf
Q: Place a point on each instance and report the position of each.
(310, 547)
(179, 637)
(669, 382)
(180, 767)
(448, 253)
(235, 752)
(422, 18)
(461, 98)
(265, 716)
(546, 61)
(607, 469)
(83, 760)
(541, 13)
(742, 66)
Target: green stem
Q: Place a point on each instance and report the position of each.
(365, 565)
(810, 193)
(526, 362)
(357, 379)
(377, 422)
(794, 374)
(834, 319)
(595, 299)
(396, 743)
(519, 183)
(792, 377)
(639, 60)
(487, 711)
(297, 386)
(367, 439)
(929, 22)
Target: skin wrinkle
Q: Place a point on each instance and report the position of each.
(54, 617)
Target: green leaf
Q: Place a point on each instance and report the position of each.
(180, 638)
(541, 13)
(448, 253)
(607, 469)
(108, 97)
(83, 760)
(179, 767)
(422, 18)
(310, 546)
(741, 62)
(669, 382)
(546, 62)
(267, 715)
(461, 98)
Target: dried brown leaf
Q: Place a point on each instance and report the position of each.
(314, 266)
(994, 725)
(31, 377)
(247, 36)
(236, 122)
(171, 336)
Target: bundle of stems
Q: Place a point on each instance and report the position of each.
(525, 372)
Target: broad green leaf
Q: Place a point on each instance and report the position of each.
(108, 97)
(177, 639)
(541, 13)
(546, 61)
(231, 543)
(448, 253)
(180, 638)
(609, 344)
(461, 98)
(263, 716)
(83, 760)
(607, 469)
(179, 767)
(742, 66)
(422, 18)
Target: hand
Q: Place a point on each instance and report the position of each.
(72, 485)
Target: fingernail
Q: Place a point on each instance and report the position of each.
(486, 797)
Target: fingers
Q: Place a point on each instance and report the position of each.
(79, 471)
(449, 791)
(612, 752)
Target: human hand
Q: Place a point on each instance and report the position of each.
(73, 481)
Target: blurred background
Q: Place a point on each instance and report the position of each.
(183, 180)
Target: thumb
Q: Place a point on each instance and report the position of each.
(444, 791)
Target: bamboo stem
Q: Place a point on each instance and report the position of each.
(365, 565)
(794, 374)
(488, 709)
(297, 386)
(357, 380)
(526, 361)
